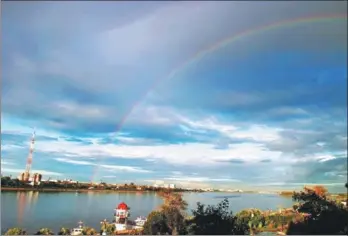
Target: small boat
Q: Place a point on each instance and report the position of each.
(140, 222)
(78, 230)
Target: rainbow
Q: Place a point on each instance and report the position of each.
(223, 43)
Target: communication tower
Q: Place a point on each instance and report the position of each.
(26, 176)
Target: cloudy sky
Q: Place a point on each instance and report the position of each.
(138, 92)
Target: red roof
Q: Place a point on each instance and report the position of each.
(122, 206)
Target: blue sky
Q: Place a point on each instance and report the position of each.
(268, 111)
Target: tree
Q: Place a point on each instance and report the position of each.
(324, 215)
(89, 231)
(175, 220)
(64, 231)
(252, 218)
(44, 231)
(107, 227)
(15, 231)
(156, 224)
(214, 220)
(174, 200)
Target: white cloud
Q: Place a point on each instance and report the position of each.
(81, 110)
(125, 168)
(325, 158)
(18, 171)
(73, 161)
(110, 176)
(6, 163)
(200, 179)
(176, 172)
(5, 147)
(110, 167)
(298, 184)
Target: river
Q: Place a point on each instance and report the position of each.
(33, 210)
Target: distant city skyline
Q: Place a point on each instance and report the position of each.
(236, 95)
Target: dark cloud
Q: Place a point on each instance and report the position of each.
(233, 161)
(334, 170)
(266, 161)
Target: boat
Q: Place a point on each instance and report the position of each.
(140, 222)
(78, 230)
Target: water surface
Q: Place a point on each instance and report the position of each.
(33, 210)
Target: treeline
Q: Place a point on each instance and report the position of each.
(61, 185)
(314, 213)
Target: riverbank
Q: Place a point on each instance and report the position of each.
(71, 190)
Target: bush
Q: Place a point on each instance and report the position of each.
(324, 215)
(214, 220)
(253, 219)
(89, 231)
(44, 231)
(64, 231)
(15, 231)
(156, 224)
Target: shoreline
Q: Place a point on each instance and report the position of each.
(9, 189)
(16, 189)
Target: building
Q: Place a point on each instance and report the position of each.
(36, 179)
(121, 216)
(172, 186)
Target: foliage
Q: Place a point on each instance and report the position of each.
(156, 224)
(173, 200)
(6, 181)
(170, 217)
(64, 231)
(253, 218)
(214, 220)
(175, 220)
(89, 231)
(44, 231)
(108, 228)
(324, 215)
(15, 231)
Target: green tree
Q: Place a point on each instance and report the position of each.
(64, 231)
(252, 218)
(15, 231)
(214, 220)
(175, 220)
(107, 227)
(89, 231)
(324, 215)
(44, 231)
(156, 224)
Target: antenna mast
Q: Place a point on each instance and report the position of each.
(30, 158)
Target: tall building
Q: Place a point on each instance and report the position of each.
(37, 178)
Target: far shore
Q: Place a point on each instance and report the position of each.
(89, 190)
(68, 190)
(16, 189)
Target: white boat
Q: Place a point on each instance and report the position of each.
(78, 230)
(140, 222)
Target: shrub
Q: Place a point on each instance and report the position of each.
(15, 231)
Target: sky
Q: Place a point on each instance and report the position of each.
(144, 92)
